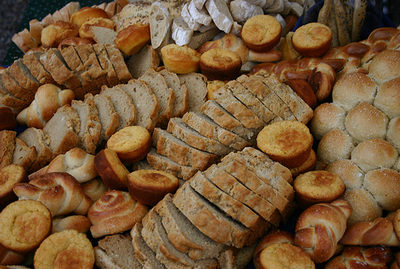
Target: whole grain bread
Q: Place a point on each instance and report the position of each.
(23, 76)
(181, 104)
(196, 84)
(32, 61)
(23, 155)
(14, 89)
(118, 62)
(147, 58)
(106, 64)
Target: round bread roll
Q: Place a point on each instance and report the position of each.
(365, 207)
(374, 153)
(85, 28)
(385, 66)
(287, 142)
(56, 32)
(66, 249)
(312, 39)
(7, 119)
(387, 98)
(365, 122)
(131, 143)
(9, 176)
(74, 41)
(150, 186)
(133, 38)
(220, 64)
(261, 32)
(86, 13)
(335, 145)
(353, 88)
(180, 59)
(393, 133)
(308, 165)
(327, 116)
(318, 187)
(303, 89)
(396, 224)
(24, 224)
(349, 172)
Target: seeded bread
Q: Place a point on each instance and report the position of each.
(7, 147)
(181, 104)
(180, 152)
(147, 58)
(23, 155)
(197, 89)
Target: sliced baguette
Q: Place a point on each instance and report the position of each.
(181, 104)
(197, 89)
(147, 58)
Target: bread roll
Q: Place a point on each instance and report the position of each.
(10, 175)
(348, 171)
(56, 32)
(312, 39)
(385, 66)
(133, 38)
(335, 145)
(220, 64)
(365, 207)
(85, 28)
(79, 223)
(387, 98)
(393, 132)
(94, 188)
(86, 13)
(327, 116)
(180, 59)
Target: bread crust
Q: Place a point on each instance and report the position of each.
(132, 39)
(86, 13)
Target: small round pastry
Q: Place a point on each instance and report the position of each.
(261, 32)
(85, 29)
(180, 59)
(318, 187)
(66, 249)
(308, 165)
(385, 66)
(150, 186)
(7, 119)
(56, 32)
(86, 13)
(24, 224)
(335, 145)
(327, 117)
(111, 170)
(132, 39)
(131, 143)
(10, 175)
(387, 98)
(220, 64)
(312, 39)
(286, 142)
(74, 41)
(303, 89)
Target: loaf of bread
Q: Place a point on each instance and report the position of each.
(133, 38)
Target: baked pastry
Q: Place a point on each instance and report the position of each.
(287, 142)
(131, 143)
(24, 224)
(10, 257)
(150, 186)
(309, 165)
(111, 170)
(86, 13)
(261, 32)
(7, 119)
(133, 38)
(220, 64)
(65, 249)
(74, 41)
(318, 187)
(10, 175)
(79, 223)
(116, 211)
(304, 90)
(94, 188)
(312, 39)
(56, 32)
(85, 28)
(180, 59)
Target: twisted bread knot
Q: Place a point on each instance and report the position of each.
(60, 192)
(320, 227)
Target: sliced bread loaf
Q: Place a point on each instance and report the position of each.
(23, 76)
(23, 155)
(181, 104)
(196, 84)
(7, 147)
(105, 63)
(14, 89)
(32, 62)
(147, 58)
(9, 100)
(118, 62)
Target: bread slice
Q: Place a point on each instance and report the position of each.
(23, 76)
(7, 147)
(145, 102)
(197, 89)
(23, 155)
(90, 127)
(164, 163)
(118, 61)
(32, 62)
(181, 104)
(207, 127)
(34, 137)
(143, 252)
(183, 234)
(147, 58)
(108, 117)
(103, 35)
(9, 100)
(169, 145)
(209, 219)
(237, 190)
(226, 203)
(14, 89)
(184, 132)
(164, 94)
(123, 105)
(160, 26)
(62, 130)
(105, 63)
(156, 237)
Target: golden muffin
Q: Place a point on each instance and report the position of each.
(180, 59)
(312, 39)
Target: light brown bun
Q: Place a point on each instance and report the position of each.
(85, 29)
(131, 143)
(387, 98)
(111, 170)
(335, 145)
(56, 32)
(312, 39)
(220, 64)
(385, 66)
(393, 133)
(74, 41)
(24, 224)
(396, 224)
(318, 187)
(10, 175)
(133, 38)
(261, 32)
(79, 223)
(287, 142)
(66, 249)
(308, 165)
(94, 188)
(7, 119)
(303, 89)
(150, 186)
(87, 13)
(180, 59)
(327, 117)
(348, 171)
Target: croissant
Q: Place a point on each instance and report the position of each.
(320, 227)
(60, 192)
(48, 99)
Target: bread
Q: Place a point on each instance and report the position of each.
(261, 32)
(79, 223)
(20, 222)
(143, 60)
(48, 99)
(160, 30)
(304, 90)
(56, 32)
(11, 175)
(221, 15)
(7, 147)
(386, 99)
(115, 212)
(73, 41)
(10, 257)
(180, 59)
(309, 165)
(59, 191)
(20, 72)
(61, 249)
(111, 170)
(312, 40)
(133, 38)
(150, 186)
(197, 89)
(102, 35)
(94, 188)
(23, 155)
(86, 13)
(85, 30)
(382, 61)
(220, 64)
(327, 116)
(118, 62)
(318, 223)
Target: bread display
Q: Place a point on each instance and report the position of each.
(56, 32)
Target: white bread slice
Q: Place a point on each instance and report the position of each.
(160, 27)
(103, 35)
(196, 84)
(147, 58)
(181, 104)
(181, 33)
